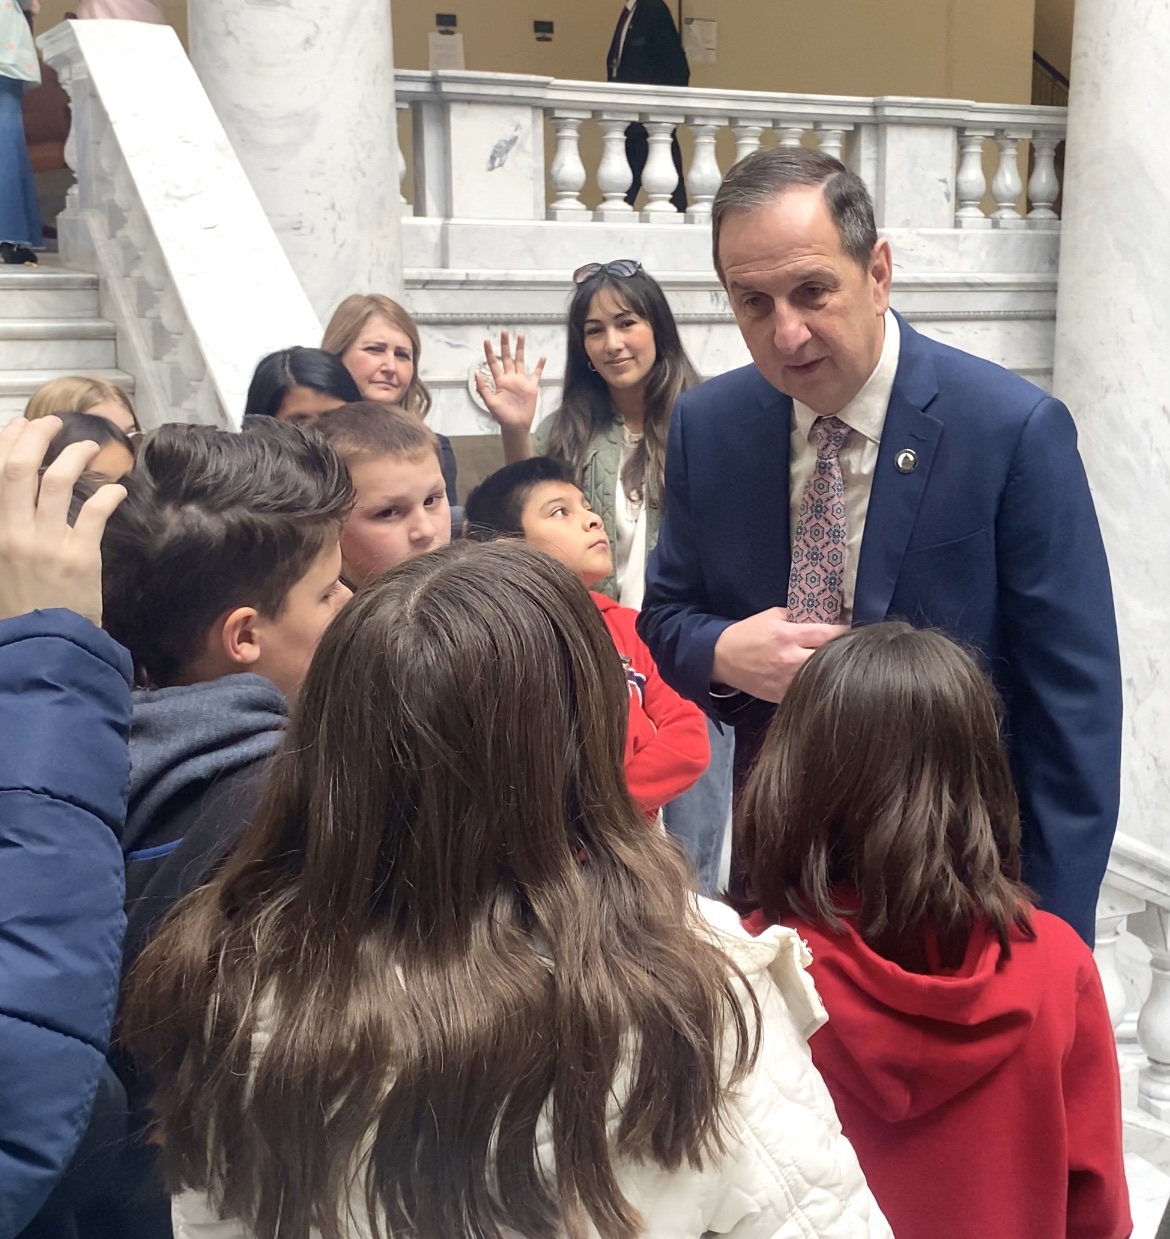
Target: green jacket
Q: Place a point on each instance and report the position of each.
(599, 482)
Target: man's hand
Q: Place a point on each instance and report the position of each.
(761, 654)
(43, 562)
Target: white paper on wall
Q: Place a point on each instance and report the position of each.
(699, 35)
(444, 51)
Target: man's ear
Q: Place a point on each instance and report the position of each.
(881, 271)
(239, 638)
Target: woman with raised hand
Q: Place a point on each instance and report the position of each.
(625, 367)
(449, 984)
(378, 343)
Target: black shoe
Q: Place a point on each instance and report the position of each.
(15, 255)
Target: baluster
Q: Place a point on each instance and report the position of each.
(613, 173)
(402, 107)
(1043, 186)
(747, 137)
(704, 178)
(970, 183)
(568, 172)
(832, 140)
(791, 133)
(1153, 1027)
(1110, 920)
(660, 176)
(1006, 186)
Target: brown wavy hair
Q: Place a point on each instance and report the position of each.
(451, 913)
(883, 778)
(346, 325)
(586, 409)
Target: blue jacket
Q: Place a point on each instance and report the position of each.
(64, 767)
(991, 537)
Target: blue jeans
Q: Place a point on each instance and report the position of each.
(20, 216)
(700, 818)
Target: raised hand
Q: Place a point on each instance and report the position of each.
(43, 562)
(512, 394)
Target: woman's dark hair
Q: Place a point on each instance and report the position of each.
(586, 409)
(214, 520)
(449, 917)
(495, 508)
(883, 778)
(278, 373)
(85, 428)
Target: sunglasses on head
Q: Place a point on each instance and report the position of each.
(621, 267)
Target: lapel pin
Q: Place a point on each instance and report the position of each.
(906, 461)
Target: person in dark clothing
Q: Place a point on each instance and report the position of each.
(64, 716)
(647, 50)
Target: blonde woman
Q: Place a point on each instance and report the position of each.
(378, 343)
(77, 393)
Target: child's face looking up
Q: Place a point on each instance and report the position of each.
(558, 520)
(401, 511)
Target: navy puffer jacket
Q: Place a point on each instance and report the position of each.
(64, 766)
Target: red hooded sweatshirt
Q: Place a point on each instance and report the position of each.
(983, 1103)
(667, 749)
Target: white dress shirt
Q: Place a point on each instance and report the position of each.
(865, 415)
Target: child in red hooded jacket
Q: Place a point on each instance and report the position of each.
(969, 1049)
(667, 749)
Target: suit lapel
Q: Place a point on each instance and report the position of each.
(895, 496)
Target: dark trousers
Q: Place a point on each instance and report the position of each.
(638, 151)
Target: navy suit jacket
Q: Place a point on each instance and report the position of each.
(992, 538)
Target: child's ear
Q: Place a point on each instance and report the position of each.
(239, 637)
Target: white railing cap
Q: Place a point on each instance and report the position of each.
(1140, 869)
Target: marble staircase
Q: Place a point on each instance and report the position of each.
(50, 324)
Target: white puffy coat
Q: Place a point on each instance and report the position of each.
(788, 1172)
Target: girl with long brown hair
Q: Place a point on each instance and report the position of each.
(449, 985)
(969, 1048)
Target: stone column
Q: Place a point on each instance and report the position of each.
(306, 93)
(1112, 363)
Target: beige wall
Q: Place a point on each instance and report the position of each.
(1054, 24)
(974, 49)
(967, 49)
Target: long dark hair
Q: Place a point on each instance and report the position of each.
(883, 775)
(586, 409)
(452, 913)
(278, 373)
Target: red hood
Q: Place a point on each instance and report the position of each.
(902, 1043)
(604, 601)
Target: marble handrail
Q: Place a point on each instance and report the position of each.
(1135, 899)
(924, 159)
(192, 273)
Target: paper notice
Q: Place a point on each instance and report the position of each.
(699, 34)
(445, 51)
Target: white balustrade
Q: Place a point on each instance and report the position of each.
(1135, 899)
(704, 178)
(1006, 187)
(568, 172)
(660, 177)
(911, 152)
(614, 176)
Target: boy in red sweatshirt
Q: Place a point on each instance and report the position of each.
(666, 745)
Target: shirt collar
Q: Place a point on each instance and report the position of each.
(866, 412)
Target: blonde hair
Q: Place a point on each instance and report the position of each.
(74, 393)
(346, 325)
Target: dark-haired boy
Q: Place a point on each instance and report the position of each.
(220, 573)
(537, 499)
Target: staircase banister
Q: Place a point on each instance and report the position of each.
(1139, 869)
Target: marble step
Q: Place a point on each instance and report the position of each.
(47, 292)
(1149, 1192)
(17, 385)
(63, 344)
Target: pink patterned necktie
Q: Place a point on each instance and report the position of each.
(816, 583)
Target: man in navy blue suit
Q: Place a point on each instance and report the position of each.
(858, 471)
